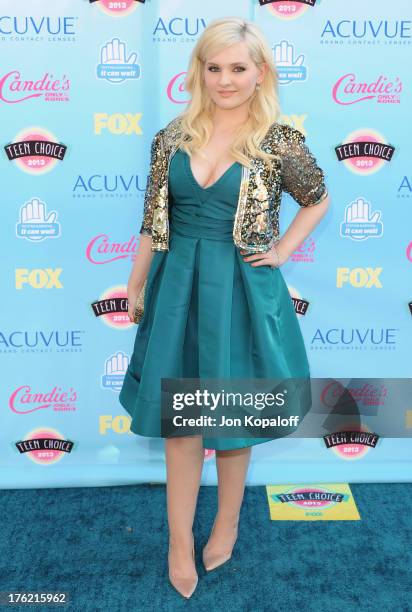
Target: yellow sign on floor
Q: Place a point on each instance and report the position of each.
(324, 502)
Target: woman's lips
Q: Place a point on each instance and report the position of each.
(226, 93)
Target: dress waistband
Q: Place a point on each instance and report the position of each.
(202, 227)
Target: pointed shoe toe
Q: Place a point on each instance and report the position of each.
(185, 586)
(211, 562)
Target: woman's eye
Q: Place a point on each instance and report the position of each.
(212, 68)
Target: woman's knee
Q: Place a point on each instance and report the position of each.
(185, 443)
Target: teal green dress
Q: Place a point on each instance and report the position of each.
(207, 312)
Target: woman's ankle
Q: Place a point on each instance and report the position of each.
(181, 540)
(227, 521)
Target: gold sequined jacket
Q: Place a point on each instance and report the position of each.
(256, 220)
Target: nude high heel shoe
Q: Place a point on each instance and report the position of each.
(184, 586)
(212, 560)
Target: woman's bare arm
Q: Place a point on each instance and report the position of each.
(142, 262)
(305, 220)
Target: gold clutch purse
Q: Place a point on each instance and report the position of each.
(139, 305)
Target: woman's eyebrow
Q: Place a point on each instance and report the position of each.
(232, 64)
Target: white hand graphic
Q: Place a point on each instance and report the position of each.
(284, 55)
(117, 364)
(115, 53)
(359, 211)
(34, 212)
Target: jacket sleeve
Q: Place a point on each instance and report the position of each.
(301, 176)
(152, 184)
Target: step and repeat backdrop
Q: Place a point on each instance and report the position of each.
(84, 85)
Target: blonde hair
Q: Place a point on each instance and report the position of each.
(264, 107)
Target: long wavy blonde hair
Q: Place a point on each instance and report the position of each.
(264, 107)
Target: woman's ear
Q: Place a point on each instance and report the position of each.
(263, 70)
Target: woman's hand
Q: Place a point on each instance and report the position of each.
(132, 293)
(274, 257)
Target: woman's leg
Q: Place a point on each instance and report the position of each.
(184, 462)
(232, 468)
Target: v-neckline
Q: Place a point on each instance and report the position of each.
(196, 181)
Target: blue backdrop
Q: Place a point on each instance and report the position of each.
(83, 88)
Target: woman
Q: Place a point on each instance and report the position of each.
(216, 303)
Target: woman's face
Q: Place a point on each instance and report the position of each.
(232, 71)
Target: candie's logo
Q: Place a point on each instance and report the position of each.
(25, 400)
(16, 88)
(103, 250)
(350, 89)
(366, 394)
(176, 89)
(364, 151)
(409, 252)
(305, 251)
(35, 150)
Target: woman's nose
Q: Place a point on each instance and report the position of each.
(224, 79)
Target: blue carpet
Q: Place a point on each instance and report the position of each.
(107, 547)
